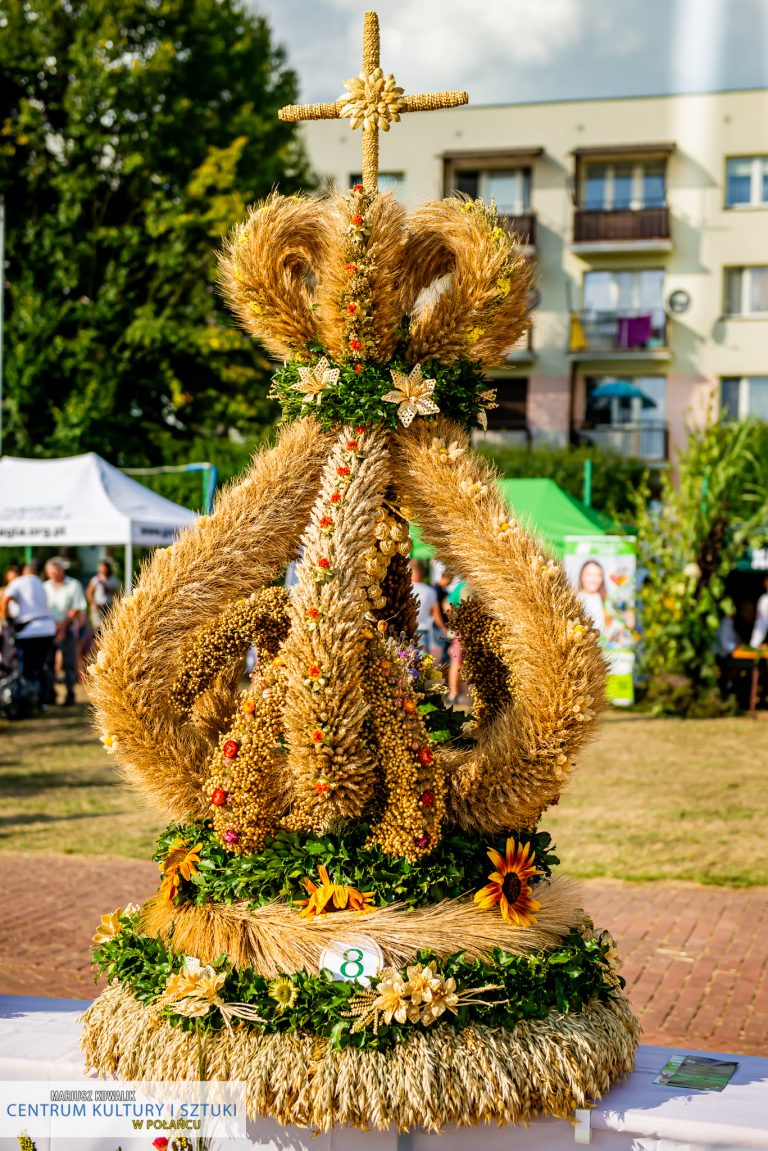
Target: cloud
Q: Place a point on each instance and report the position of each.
(515, 50)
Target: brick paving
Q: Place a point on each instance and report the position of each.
(695, 958)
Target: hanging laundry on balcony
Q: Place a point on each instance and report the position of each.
(577, 340)
(634, 331)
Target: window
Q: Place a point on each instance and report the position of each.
(746, 181)
(511, 414)
(744, 396)
(509, 188)
(624, 309)
(635, 290)
(746, 291)
(388, 181)
(624, 186)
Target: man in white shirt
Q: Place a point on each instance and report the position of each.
(67, 602)
(760, 630)
(25, 603)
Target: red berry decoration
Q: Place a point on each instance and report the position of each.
(321, 786)
(425, 756)
(342, 470)
(335, 497)
(317, 737)
(358, 368)
(355, 345)
(351, 308)
(326, 522)
(428, 798)
(351, 445)
(357, 187)
(324, 563)
(230, 749)
(219, 797)
(357, 219)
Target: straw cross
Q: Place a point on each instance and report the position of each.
(373, 101)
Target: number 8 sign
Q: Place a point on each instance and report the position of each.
(353, 962)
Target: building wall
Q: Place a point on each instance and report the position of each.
(706, 237)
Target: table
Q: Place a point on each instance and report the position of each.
(749, 660)
(39, 1039)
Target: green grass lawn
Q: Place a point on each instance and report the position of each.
(650, 799)
(657, 798)
(60, 792)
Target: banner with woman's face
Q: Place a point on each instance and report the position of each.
(603, 570)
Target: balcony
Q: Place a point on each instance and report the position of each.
(624, 230)
(618, 336)
(522, 226)
(643, 440)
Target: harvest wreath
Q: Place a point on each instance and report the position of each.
(357, 912)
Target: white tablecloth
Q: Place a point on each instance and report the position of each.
(39, 1039)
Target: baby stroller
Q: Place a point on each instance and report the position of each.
(18, 697)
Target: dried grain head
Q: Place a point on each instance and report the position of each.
(267, 270)
(385, 251)
(464, 282)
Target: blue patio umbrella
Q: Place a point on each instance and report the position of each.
(620, 390)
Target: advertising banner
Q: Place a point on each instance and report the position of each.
(603, 570)
(154, 1112)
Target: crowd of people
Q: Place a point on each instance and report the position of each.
(47, 628)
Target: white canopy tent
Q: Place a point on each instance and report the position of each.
(83, 500)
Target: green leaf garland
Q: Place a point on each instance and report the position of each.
(531, 986)
(356, 398)
(458, 866)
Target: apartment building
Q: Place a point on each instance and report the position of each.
(647, 219)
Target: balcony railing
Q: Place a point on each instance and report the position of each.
(523, 226)
(620, 332)
(626, 224)
(642, 440)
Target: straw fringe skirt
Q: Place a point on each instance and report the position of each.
(470, 1075)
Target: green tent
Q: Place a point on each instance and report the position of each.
(545, 509)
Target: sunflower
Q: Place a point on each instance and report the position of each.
(509, 884)
(284, 991)
(328, 896)
(180, 863)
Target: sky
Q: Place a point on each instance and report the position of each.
(510, 51)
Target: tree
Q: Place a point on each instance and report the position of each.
(133, 133)
(710, 514)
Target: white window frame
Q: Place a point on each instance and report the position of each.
(755, 182)
(745, 383)
(745, 291)
(637, 199)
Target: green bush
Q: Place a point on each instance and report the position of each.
(713, 507)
